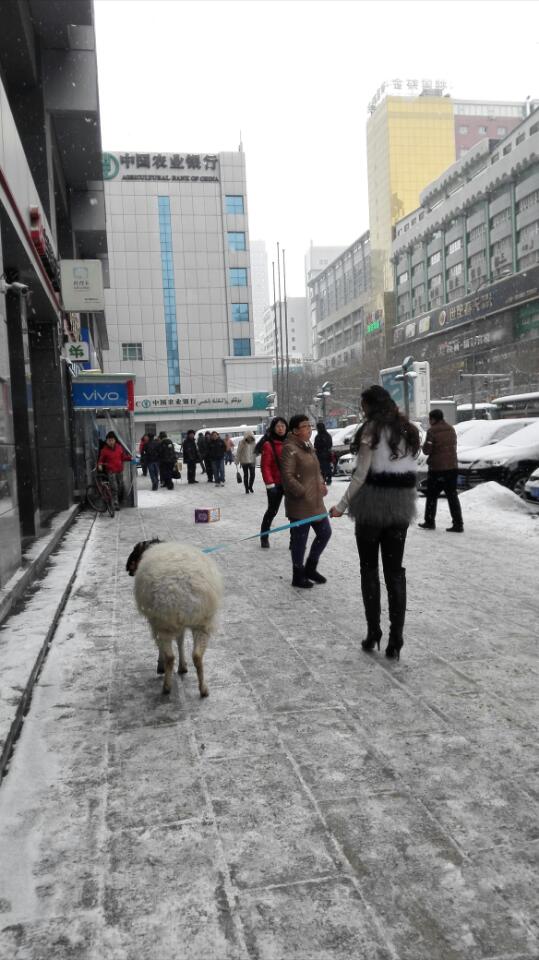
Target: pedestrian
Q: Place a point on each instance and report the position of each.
(229, 444)
(270, 468)
(441, 447)
(112, 457)
(151, 459)
(246, 458)
(323, 444)
(304, 489)
(142, 443)
(381, 499)
(167, 459)
(191, 456)
(216, 456)
(203, 448)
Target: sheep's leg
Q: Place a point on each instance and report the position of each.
(200, 641)
(160, 663)
(182, 665)
(166, 655)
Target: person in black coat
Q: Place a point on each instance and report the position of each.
(216, 454)
(191, 456)
(150, 456)
(323, 444)
(203, 446)
(167, 459)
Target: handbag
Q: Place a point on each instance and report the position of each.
(239, 478)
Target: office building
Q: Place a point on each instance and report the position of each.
(179, 307)
(466, 268)
(51, 208)
(260, 291)
(291, 317)
(344, 327)
(411, 140)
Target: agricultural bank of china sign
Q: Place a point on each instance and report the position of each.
(178, 404)
(176, 167)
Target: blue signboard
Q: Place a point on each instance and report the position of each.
(89, 396)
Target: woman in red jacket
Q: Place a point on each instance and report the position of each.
(111, 459)
(270, 465)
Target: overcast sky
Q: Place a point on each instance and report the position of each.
(295, 77)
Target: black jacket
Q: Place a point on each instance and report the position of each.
(151, 451)
(203, 447)
(323, 444)
(216, 449)
(167, 453)
(190, 451)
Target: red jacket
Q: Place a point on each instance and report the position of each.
(113, 458)
(270, 462)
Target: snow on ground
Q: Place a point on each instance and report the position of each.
(492, 504)
(322, 803)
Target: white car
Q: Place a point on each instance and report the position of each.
(346, 465)
(531, 487)
(509, 462)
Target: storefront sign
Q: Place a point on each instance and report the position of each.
(82, 285)
(91, 396)
(518, 288)
(77, 351)
(186, 167)
(177, 404)
(526, 321)
(408, 87)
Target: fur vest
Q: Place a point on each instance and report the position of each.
(388, 496)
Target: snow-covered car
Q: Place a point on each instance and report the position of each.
(345, 465)
(509, 462)
(342, 439)
(531, 487)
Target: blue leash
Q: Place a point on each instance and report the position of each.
(256, 536)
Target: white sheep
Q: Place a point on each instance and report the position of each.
(176, 587)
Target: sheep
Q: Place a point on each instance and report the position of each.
(176, 587)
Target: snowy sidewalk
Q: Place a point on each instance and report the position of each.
(322, 803)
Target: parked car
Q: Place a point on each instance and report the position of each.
(510, 461)
(343, 437)
(345, 465)
(531, 487)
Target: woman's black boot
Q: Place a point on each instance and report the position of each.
(264, 540)
(396, 597)
(370, 590)
(311, 572)
(299, 579)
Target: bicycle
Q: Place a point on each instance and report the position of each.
(99, 495)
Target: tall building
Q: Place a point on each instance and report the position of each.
(411, 140)
(294, 318)
(179, 307)
(466, 269)
(51, 207)
(260, 290)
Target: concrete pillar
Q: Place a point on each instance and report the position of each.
(51, 416)
(23, 415)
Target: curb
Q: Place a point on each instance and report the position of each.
(17, 586)
(26, 695)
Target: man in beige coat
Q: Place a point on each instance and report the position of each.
(304, 490)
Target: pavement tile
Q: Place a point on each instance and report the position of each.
(68, 937)
(239, 786)
(325, 920)
(238, 737)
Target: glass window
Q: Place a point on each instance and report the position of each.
(238, 276)
(131, 351)
(236, 240)
(242, 347)
(234, 204)
(482, 130)
(463, 129)
(435, 258)
(240, 311)
(501, 131)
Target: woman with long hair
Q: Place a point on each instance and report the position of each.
(270, 468)
(381, 499)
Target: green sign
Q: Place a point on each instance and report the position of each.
(371, 327)
(526, 320)
(111, 167)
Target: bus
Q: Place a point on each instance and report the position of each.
(517, 405)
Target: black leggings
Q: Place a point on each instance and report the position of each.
(389, 540)
(248, 475)
(275, 496)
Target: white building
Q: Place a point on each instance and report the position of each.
(179, 308)
(294, 317)
(260, 289)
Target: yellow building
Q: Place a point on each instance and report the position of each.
(410, 142)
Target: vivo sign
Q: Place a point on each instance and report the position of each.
(89, 396)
